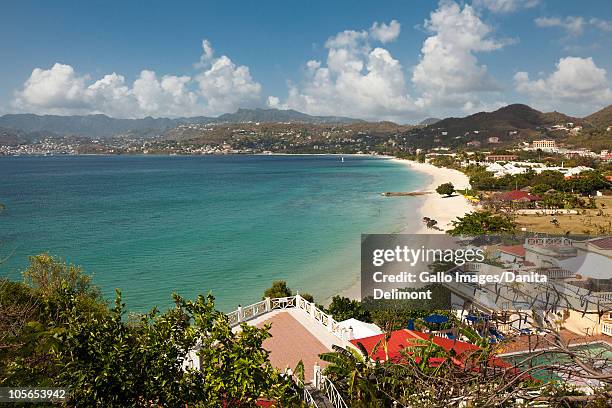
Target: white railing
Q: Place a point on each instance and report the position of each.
(246, 313)
(328, 389)
(556, 273)
(306, 395)
(606, 296)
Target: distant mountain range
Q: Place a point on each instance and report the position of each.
(100, 126)
(25, 127)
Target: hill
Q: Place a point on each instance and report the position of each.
(508, 118)
(601, 118)
(278, 115)
(429, 121)
(101, 126)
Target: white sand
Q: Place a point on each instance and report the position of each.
(442, 209)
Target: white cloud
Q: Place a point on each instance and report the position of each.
(603, 25)
(572, 24)
(385, 32)
(207, 54)
(227, 86)
(220, 86)
(360, 80)
(505, 6)
(577, 82)
(448, 72)
(355, 80)
(56, 88)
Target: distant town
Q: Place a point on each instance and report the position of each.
(503, 135)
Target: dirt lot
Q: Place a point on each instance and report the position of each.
(597, 221)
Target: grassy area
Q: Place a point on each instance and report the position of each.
(597, 221)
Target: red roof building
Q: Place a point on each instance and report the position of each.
(514, 250)
(517, 195)
(401, 339)
(602, 243)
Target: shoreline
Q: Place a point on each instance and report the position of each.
(441, 209)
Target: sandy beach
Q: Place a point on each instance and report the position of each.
(442, 209)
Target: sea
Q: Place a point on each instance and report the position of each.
(226, 225)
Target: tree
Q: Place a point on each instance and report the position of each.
(352, 372)
(307, 297)
(278, 289)
(106, 360)
(48, 274)
(342, 308)
(588, 182)
(446, 189)
(481, 223)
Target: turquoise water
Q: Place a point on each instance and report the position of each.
(151, 225)
(597, 351)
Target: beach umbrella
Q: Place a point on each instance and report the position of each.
(436, 318)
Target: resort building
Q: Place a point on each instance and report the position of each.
(509, 168)
(511, 253)
(500, 157)
(544, 144)
(516, 197)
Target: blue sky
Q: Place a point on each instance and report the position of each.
(397, 60)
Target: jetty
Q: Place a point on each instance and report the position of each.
(404, 193)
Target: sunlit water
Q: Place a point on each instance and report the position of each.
(151, 225)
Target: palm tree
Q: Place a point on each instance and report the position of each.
(354, 374)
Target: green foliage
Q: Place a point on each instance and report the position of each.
(585, 183)
(563, 200)
(278, 289)
(308, 297)
(60, 340)
(482, 223)
(446, 189)
(47, 275)
(394, 314)
(588, 182)
(352, 372)
(342, 308)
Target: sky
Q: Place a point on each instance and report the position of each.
(396, 60)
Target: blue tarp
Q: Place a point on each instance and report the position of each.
(436, 318)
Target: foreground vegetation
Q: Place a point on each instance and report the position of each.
(56, 330)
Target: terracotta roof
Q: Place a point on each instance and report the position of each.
(516, 250)
(602, 243)
(292, 342)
